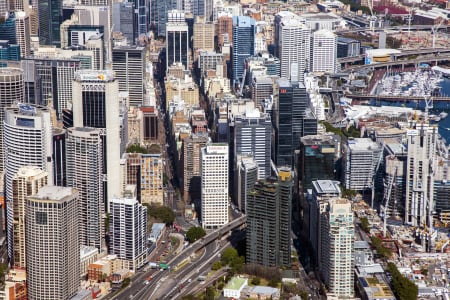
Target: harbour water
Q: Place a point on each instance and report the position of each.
(438, 107)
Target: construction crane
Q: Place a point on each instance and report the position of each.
(386, 202)
(434, 29)
(375, 174)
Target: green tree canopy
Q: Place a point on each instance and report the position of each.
(161, 213)
(365, 224)
(229, 255)
(195, 233)
(404, 289)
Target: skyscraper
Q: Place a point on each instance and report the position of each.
(4, 9)
(245, 179)
(268, 212)
(124, 18)
(244, 29)
(288, 119)
(26, 182)
(177, 42)
(361, 159)
(12, 89)
(51, 239)
(191, 148)
(128, 227)
(152, 169)
(203, 8)
(338, 255)
(419, 204)
(159, 10)
(319, 156)
(50, 18)
(23, 33)
(204, 32)
(96, 104)
(59, 156)
(141, 20)
(51, 79)
(322, 192)
(129, 66)
(252, 134)
(214, 183)
(293, 45)
(324, 54)
(27, 137)
(84, 172)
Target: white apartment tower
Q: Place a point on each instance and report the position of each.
(12, 90)
(51, 239)
(293, 46)
(338, 255)
(23, 32)
(26, 182)
(84, 172)
(324, 51)
(128, 227)
(214, 183)
(362, 157)
(420, 168)
(27, 133)
(96, 104)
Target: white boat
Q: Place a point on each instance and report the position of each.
(443, 115)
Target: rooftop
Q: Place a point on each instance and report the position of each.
(54, 193)
(236, 283)
(363, 144)
(327, 186)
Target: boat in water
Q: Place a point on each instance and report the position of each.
(443, 115)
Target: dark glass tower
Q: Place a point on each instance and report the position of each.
(290, 116)
(59, 157)
(243, 44)
(269, 221)
(50, 18)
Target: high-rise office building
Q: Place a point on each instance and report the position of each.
(27, 138)
(4, 9)
(129, 66)
(419, 204)
(244, 179)
(158, 14)
(252, 134)
(319, 159)
(50, 19)
(268, 212)
(324, 53)
(8, 52)
(177, 42)
(348, 47)
(23, 33)
(51, 79)
(96, 104)
(8, 30)
(141, 18)
(152, 170)
(84, 172)
(51, 239)
(204, 32)
(289, 118)
(12, 89)
(124, 19)
(293, 45)
(224, 29)
(322, 192)
(128, 227)
(59, 156)
(338, 255)
(192, 147)
(26, 182)
(244, 30)
(214, 183)
(203, 8)
(362, 158)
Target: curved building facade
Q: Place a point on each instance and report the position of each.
(12, 90)
(27, 141)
